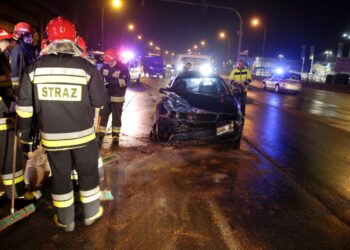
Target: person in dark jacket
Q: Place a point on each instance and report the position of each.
(116, 75)
(23, 53)
(62, 90)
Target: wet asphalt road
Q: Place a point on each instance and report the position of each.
(287, 188)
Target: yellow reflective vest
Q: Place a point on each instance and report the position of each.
(241, 76)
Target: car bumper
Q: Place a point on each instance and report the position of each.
(183, 130)
(285, 89)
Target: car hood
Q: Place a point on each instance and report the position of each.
(196, 103)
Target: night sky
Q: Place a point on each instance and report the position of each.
(290, 24)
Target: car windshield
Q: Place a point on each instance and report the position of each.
(202, 85)
(157, 63)
(194, 61)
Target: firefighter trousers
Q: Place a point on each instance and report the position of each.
(243, 101)
(116, 108)
(6, 155)
(85, 162)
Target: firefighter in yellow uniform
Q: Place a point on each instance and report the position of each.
(61, 90)
(240, 78)
(116, 76)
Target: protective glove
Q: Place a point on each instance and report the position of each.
(122, 83)
(233, 83)
(27, 142)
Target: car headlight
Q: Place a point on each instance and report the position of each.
(206, 69)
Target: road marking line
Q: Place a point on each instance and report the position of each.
(228, 235)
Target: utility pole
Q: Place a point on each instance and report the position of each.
(240, 32)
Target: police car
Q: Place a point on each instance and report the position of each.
(283, 82)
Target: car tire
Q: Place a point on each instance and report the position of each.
(236, 143)
(161, 132)
(277, 88)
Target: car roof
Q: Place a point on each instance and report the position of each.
(195, 74)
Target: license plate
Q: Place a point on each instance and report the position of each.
(225, 129)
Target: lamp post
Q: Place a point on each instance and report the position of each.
(328, 52)
(346, 37)
(116, 4)
(138, 38)
(222, 36)
(256, 22)
(131, 27)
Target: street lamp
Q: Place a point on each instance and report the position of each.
(139, 38)
(255, 23)
(131, 27)
(280, 56)
(203, 43)
(195, 46)
(166, 52)
(222, 36)
(117, 4)
(189, 51)
(150, 44)
(173, 54)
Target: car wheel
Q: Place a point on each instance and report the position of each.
(277, 88)
(236, 143)
(264, 86)
(161, 130)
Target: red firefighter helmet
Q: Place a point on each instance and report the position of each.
(110, 55)
(81, 44)
(4, 34)
(60, 29)
(21, 29)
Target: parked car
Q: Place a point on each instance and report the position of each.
(283, 82)
(153, 66)
(134, 66)
(195, 106)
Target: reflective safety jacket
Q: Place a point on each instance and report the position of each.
(241, 76)
(115, 79)
(21, 52)
(61, 90)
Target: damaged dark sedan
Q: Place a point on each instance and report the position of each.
(198, 107)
